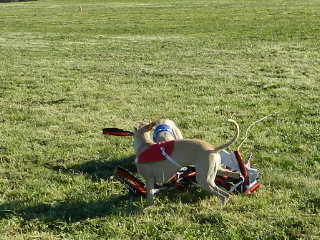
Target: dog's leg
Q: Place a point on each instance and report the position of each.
(212, 173)
(150, 188)
(206, 176)
(209, 185)
(223, 195)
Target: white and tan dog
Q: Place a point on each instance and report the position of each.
(157, 169)
(166, 130)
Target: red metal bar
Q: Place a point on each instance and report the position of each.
(133, 181)
(253, 188)
(243, 169)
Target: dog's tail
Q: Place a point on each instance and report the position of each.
(233, 140)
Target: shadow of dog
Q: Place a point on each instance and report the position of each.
(97, 170)
(71, 211)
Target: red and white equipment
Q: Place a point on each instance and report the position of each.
(247, 182)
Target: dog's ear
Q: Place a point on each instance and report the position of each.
(141, 124)
(149, 127)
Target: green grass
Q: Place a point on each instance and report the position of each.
(69, 68)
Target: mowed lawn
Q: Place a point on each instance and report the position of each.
(69, 68)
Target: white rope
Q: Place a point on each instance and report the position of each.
(252, 124)
(170, 159)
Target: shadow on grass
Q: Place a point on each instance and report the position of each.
(186, 195)
(76, 210)
(71, 211)
(98, 169)
(102, 170)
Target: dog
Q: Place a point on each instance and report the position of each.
(158, 169)
(166, 130)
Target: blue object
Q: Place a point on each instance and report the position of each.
(162, 128)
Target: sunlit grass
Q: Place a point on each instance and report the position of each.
(70, 68)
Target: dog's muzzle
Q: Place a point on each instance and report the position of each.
(162, 128)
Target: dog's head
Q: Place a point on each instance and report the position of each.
(143, 128)
(166, 130)
(141, 135)
(163, 132)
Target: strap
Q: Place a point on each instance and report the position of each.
(116, 132)
(170, 159)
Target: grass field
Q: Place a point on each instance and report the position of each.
(68, 68)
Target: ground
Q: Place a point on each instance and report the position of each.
(70, 68)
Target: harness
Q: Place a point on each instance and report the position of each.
(162, 128)
(155, 152)
(248, 182)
